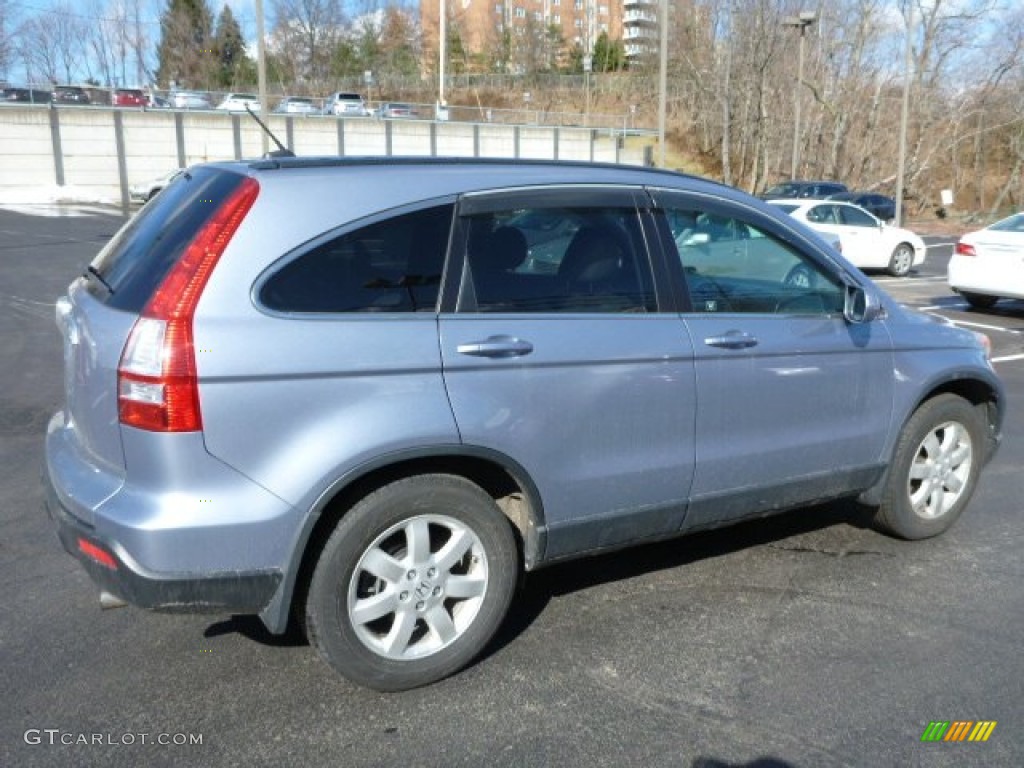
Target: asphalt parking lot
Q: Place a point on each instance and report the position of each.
(804, 640)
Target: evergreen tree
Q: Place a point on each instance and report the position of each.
(609, 55)
(185, 54)
(234, 67)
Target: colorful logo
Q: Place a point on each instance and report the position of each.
(958, 730)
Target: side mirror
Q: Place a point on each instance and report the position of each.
(861, 306)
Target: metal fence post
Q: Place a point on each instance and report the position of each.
(515, 141)
(557, 135)
(476, 139)
(58, 151)
(387, 138)
(236, 130)
(179, 136)
(433, 139)
(122, 162)
(289, 131)
(341, 138)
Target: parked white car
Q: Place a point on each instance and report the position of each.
(294, 105)
(237, 102)
(190, 100)
(988, 265)
(346, 105)
(146, 190)
(867, 242)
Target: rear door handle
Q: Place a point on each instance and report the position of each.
(496, 346)
(732, 340)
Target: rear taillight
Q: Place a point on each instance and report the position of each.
(157, 384)
(965, 249)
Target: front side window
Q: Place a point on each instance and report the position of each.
(732, 265)
(392, 265)
(556, 260)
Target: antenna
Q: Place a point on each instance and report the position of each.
(282, 150)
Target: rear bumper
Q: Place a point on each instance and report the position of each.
(122, 577)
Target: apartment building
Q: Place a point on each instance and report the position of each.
(516, 29)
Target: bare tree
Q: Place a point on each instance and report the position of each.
(309, 30)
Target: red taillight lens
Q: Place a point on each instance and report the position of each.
(96, 554)
(157, 385)
(965, 249)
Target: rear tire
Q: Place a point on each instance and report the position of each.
(980, 300)
(935, 468)
(413, 583)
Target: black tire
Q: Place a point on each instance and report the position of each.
(401, 531)
(980, 300)
(935, 468)
(902, 260)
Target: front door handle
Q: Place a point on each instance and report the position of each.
(496, 346)
(732, 340)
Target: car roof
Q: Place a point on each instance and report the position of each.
(440, 176)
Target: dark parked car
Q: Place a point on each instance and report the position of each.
(796, 189)
(25, 96)
(130, 97)
(71, 94)
(880, 206)
(374, 392)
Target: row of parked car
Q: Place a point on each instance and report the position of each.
(340, 103)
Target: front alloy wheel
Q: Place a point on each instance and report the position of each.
(940, 470)
(934, 469)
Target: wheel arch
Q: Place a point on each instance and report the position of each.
(504, 479)
(982, 394)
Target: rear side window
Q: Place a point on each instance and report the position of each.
(138, 257)
(392, 265)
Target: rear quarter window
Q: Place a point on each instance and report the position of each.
(392, 265)
(138, 257)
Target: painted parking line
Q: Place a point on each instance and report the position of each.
(984, 326)
(1007, 358)
(951, 305)
(910, 280)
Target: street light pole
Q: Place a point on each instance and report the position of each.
(261, 71)
(907, 66)
(801, 22)
(662, 80)
(444, 41)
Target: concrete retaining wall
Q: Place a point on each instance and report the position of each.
(44, 146)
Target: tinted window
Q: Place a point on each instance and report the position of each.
(557, 260)
(855, 217)
(135, 261)
(731, 265)
(392, 265)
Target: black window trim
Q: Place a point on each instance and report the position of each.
(351, 226)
